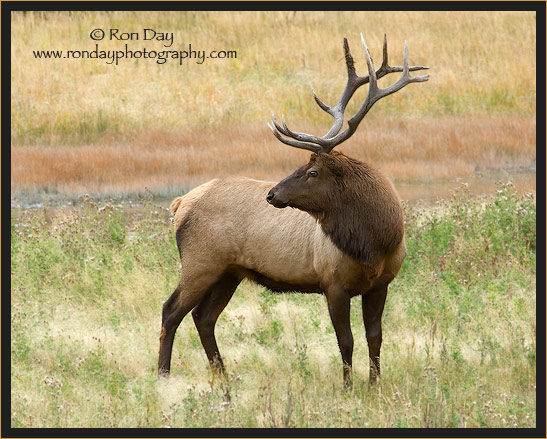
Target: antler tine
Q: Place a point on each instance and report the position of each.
(405, 60)
(371, 73)
(369, 101)
(375, 93)
(352, 85)
(278, 127)
(350, 64)
(321, 104)
(385, 64)
(352, 76)
(302, 145)
(333, 138)
(277, 130)
(298, 137)
(336, 112)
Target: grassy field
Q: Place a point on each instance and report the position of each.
(459, 347)
(82, 125)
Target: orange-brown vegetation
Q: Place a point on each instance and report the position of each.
(405, 148)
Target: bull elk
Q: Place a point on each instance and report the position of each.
(344, 238)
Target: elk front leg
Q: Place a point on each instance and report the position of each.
(373, 307)
(339, 310)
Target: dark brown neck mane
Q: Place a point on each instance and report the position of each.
(364, 217)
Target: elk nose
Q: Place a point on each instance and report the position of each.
(270, 196)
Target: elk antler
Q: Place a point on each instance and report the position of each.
(332, 138)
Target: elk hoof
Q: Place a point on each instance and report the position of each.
(163, 373)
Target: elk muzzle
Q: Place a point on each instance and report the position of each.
(274, 199)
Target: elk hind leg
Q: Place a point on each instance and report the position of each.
(185, 297)
(206, 313)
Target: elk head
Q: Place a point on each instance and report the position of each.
(317, 176)
(325, 167)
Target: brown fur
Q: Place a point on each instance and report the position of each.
(345, 238)
(359, 210)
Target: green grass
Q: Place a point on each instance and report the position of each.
(459, 328)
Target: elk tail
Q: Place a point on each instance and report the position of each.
(175, 205)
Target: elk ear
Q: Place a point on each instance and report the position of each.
(330, 161)
(335, 162)
(337, 168)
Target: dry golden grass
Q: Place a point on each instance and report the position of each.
(406, 149)
(481, 63)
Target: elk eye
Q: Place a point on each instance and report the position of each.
(312, 173)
